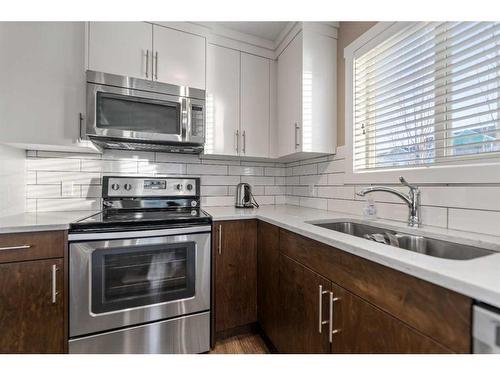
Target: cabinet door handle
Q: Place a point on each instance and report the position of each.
(54, 283)
(321, 322)
(244, 141)
(237, 141)
(297, 128)
(147, 63)
(332, 331)
(156, 65)
(82, 130)
(20, 247)
(220, 240)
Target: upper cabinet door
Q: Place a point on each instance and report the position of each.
(222, 117)
(178, 57)
(42, 90)
(290, 98)
(254, 105)
(123, 48)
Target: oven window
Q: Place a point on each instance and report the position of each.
(128, 113)
(142, 275)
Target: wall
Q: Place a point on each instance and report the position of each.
(348, 32)
(12, 184)
(58, 181)
(319, 183)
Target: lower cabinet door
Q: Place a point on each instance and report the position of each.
(363, 328)
(235, 253)
(32, 307)
(299, 309)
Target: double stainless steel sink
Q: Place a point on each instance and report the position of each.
(419, 244)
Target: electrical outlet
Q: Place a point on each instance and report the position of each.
(312, 190)
(68, 189)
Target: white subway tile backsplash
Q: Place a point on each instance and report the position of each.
(473, 197)
(274, 190)
(474, 221)
(335, 166)
(220, 180)
(90, 178)
(318, 203)
(146, 168)
(305, 169)
(202, 169)
(314, 179)
(128, 155)
(43, 191)
(338, 192)
(177, 158)
(119, 166)
(77, 204)
(53, 164)
(274, 171)
(217, 201)
(213, 190)
(258, 180)
(245, 170)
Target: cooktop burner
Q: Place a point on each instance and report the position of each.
(132, 203)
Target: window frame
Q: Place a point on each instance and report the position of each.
(486, 170)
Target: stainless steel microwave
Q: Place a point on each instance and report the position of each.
(131, 113)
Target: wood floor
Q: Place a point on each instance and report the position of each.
(247, 343)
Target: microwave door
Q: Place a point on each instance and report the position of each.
(123, 113)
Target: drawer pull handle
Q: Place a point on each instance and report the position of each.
(332, 331)
(54, 283)
(20, 247)
(321, 322)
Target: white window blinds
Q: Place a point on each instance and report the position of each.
(428, 95)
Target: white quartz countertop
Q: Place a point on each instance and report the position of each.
(43, 221)
(477, 278)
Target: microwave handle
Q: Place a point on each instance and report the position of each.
(186, 126)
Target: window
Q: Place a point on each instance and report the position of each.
(427, 95)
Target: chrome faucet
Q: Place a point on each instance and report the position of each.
(412, 199)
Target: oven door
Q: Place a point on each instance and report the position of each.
(122, 113)
(124, 281)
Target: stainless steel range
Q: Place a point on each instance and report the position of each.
(139, 271)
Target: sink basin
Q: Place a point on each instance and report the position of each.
(419, 244)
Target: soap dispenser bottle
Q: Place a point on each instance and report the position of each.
(370, 210)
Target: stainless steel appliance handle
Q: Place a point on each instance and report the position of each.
(137, 233)
(54, 282)
(156, 65)
(220, 239)
(297, 128)
(244, 141)
(20, 247)
(321, 322)
(332, 331)
(147, 63)
(237, 142)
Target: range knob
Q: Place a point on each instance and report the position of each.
(189, 187)
(127, 187)
(178, 187)
(115, 187)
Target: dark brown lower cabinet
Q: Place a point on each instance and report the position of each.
(31, 317)
(299, 311)
(268, 279)
(363, 329)
(235, 257)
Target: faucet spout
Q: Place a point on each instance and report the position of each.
(412, 199)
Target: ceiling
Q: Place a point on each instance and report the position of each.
(265, 30)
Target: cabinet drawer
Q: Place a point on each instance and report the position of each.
(17, 247)
(437, 312)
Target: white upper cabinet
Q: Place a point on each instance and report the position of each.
(123, 48)
(143, 50)
(255, 106)
(307, 93)
(42, 90)
(178, 57)
(290, 97)
(222, 115)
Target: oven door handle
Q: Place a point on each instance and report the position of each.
(137, 233)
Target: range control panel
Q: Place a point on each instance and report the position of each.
(150, 187)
